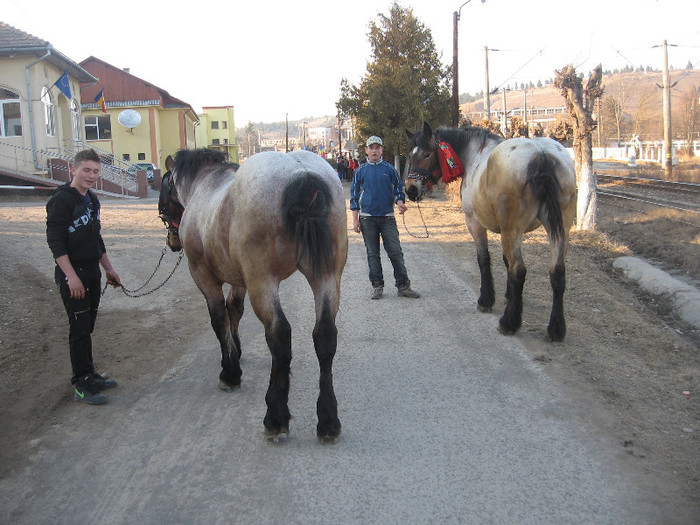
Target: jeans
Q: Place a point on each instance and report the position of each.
(81, 317)
(372, 229)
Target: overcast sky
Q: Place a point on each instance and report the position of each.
(272, 58)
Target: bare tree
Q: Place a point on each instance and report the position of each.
(689, 121)
(612, 109)
(580, 104)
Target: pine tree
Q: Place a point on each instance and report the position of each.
(405, 83)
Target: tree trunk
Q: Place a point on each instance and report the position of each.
(580, 104)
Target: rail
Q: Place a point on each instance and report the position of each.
(19, 160)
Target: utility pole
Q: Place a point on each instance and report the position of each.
(525, 112)
(455, 72)
(286, 132)
(455, 64)
(487, 90)
(504, 125)
(668, 137)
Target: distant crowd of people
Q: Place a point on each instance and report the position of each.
(346, 167)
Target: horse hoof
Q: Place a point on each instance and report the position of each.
(276, 435)
(506, 331)
(328, 440)
(483, 308)
(228, 387)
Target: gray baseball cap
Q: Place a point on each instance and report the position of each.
(374, 140)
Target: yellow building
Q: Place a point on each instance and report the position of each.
(139, 122)
(38, 119)
(217, 130)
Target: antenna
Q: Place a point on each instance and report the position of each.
(129, 118)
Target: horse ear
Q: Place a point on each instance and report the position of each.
(427, 130)
(408, 134)
(169, 163)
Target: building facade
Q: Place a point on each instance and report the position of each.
(38, 119)
(217, 130)
(164, 124)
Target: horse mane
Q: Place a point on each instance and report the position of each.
(188, 164)
(460, 138)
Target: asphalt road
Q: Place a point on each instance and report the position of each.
(444, 421)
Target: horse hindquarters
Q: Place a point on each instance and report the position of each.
(308, 203)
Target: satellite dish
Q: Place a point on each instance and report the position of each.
(129, 118)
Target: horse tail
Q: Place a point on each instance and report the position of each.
(542, 177)
(306, 205)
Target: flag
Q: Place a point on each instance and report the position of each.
(100, 99)
(63, 84)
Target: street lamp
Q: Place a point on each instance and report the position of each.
(455, 61)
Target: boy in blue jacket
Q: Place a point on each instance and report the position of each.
(376, 186)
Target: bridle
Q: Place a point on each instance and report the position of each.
(167, 200)
(421, 174)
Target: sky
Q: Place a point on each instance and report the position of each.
(279, 59)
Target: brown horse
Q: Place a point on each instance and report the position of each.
(252, 228)
(509, 187)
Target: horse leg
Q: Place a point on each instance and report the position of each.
(235, 306)
(487, 296)
(278, 334)
(325, 337)
(557, 278)
(512, 317)
(230, 375)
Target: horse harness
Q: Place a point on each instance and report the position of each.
(167, 199)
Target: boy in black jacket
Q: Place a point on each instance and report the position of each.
(73, 234)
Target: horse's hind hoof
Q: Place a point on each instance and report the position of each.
(328, 440)
(506, 331)
(228, 387)
(483, 308)
(276, 435)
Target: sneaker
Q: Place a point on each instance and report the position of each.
(404, 290)
(87, 392)
(377, 292)
(102, 382)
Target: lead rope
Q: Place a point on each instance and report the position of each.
(427, 234)
(133, 294)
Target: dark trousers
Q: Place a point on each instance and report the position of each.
(81, 316)
(385, 227)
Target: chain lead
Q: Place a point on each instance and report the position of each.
(133, 294)
(427, 234)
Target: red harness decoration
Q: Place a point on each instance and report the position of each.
(450, 165)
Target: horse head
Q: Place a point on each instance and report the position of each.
(169, 208)
(423, 162)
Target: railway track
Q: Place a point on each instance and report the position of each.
(645, 194)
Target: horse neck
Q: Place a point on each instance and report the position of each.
(477, 148)
(206, 181)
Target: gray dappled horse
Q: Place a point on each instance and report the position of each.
(252, 228)
(509, 187)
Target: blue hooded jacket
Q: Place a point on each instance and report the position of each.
(375, 189)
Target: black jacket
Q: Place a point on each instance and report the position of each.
(70, 229)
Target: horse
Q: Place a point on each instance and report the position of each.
(509, 187)
(252, 228)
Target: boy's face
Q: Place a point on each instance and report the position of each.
(85, 175)
(374, 152)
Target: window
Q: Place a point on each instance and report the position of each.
(75, 119)
(126, 157)
(10, 114)
(142, 156)
(98, 128)
(215, 142)
(214, 124)
(49, 112)
(224, 124)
